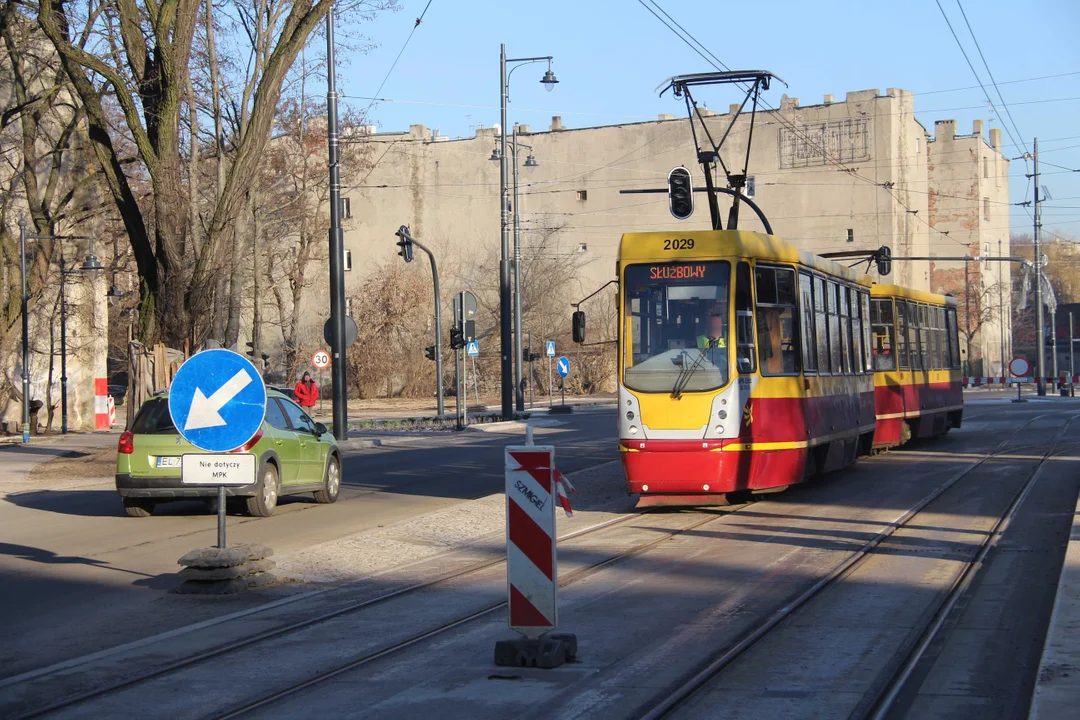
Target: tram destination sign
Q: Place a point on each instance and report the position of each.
(711, 273)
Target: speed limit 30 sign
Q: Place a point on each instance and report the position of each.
(321, 359)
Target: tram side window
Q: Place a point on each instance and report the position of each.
(845, 330)
(902, 335)
(776, 320)
(954, 338)
(867, 362)
(931, 331)
(809, 347)
(943, 338)
(882, 319)
(821, 327)
(914, 349)
(856, 334)
(924, 337)
(940, 351)
(833, 310)
(744, 320)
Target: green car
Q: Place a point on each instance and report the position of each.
(295, 455)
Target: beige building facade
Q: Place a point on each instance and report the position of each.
(969, 200)
(834, 176)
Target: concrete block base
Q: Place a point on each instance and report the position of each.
(561, 409)
(547, 651)
(226, 571)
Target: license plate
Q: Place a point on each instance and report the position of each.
(168, 462)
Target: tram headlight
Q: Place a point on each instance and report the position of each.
(633, 429)
(629, 414)
(719, 429)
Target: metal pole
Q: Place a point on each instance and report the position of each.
(337, 250)
(459, 312)
(1040, 340)
(440, 409)
(518, 360)
(63, 349)
(505, 345)
(967, 318)
(25, 335)
(1072, 364)
(1053, 347)
(531, 383)
(1001, 311)
(221, 516)
(549, 381)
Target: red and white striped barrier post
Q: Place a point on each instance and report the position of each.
(534, 488)
(101, 404)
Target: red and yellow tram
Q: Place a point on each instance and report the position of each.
(916, 352)
(745, 365)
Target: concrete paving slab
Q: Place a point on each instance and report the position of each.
(774, 704)
(1057, 690)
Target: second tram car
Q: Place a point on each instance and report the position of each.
(917, 383)
(745, 365)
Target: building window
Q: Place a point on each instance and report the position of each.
(582, 195)
(583, 247)
(986, 208)
(986, 168)
(850, 235)
(750, 187)
(348, 259)
(346, 208)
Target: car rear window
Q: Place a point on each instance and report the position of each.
(154, 418)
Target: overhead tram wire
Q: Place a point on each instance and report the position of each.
(400, 53)
(695, 44)
(989, 74)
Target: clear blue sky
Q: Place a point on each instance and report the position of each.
(610, 55)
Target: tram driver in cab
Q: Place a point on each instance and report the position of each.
(714, 335)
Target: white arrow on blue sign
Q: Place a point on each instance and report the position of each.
(472, 349)
(562, 365)
(217, 400)
(551, 348)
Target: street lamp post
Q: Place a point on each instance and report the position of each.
(92, 263)
(505, 342)
(530, 161)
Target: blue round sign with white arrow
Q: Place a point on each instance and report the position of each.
(217, 400)
(562, 366)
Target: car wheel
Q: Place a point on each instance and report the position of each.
(138, 507)
(331, 482)
(264, 501)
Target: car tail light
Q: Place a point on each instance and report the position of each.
(126, 446)
(250, 443)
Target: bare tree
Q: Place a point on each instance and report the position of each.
(141, 56)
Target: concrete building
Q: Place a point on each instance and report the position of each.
(969, 207)
(832, 176)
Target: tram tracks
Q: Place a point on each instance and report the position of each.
(191, 661)
(879, 701)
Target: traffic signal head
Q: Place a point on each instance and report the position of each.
(251, 352)
(457, 339)
(404, 243)
(429, 351)
(680, 193)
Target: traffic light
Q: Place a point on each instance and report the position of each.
(251, 352)
(266, 362)
(429, 351)
(680, 193)
(457, 339)
(404, 244)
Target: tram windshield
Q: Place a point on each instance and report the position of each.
(676, 334)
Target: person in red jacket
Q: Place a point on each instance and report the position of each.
(307, 392)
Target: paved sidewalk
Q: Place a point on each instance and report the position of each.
(1057, 689)
(17, 460)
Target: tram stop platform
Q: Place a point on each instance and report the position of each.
(1057, 689)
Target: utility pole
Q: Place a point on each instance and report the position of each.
(519, 394)
(967, 318)
(337, 250)
(1040, 340)
(1001, 310)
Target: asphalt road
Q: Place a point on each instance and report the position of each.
(77, 575)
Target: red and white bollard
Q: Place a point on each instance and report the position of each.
(534, 488)
(101, 404)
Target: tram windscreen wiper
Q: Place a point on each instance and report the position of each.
(685, 374)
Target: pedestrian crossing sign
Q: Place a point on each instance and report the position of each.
(472, 349)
